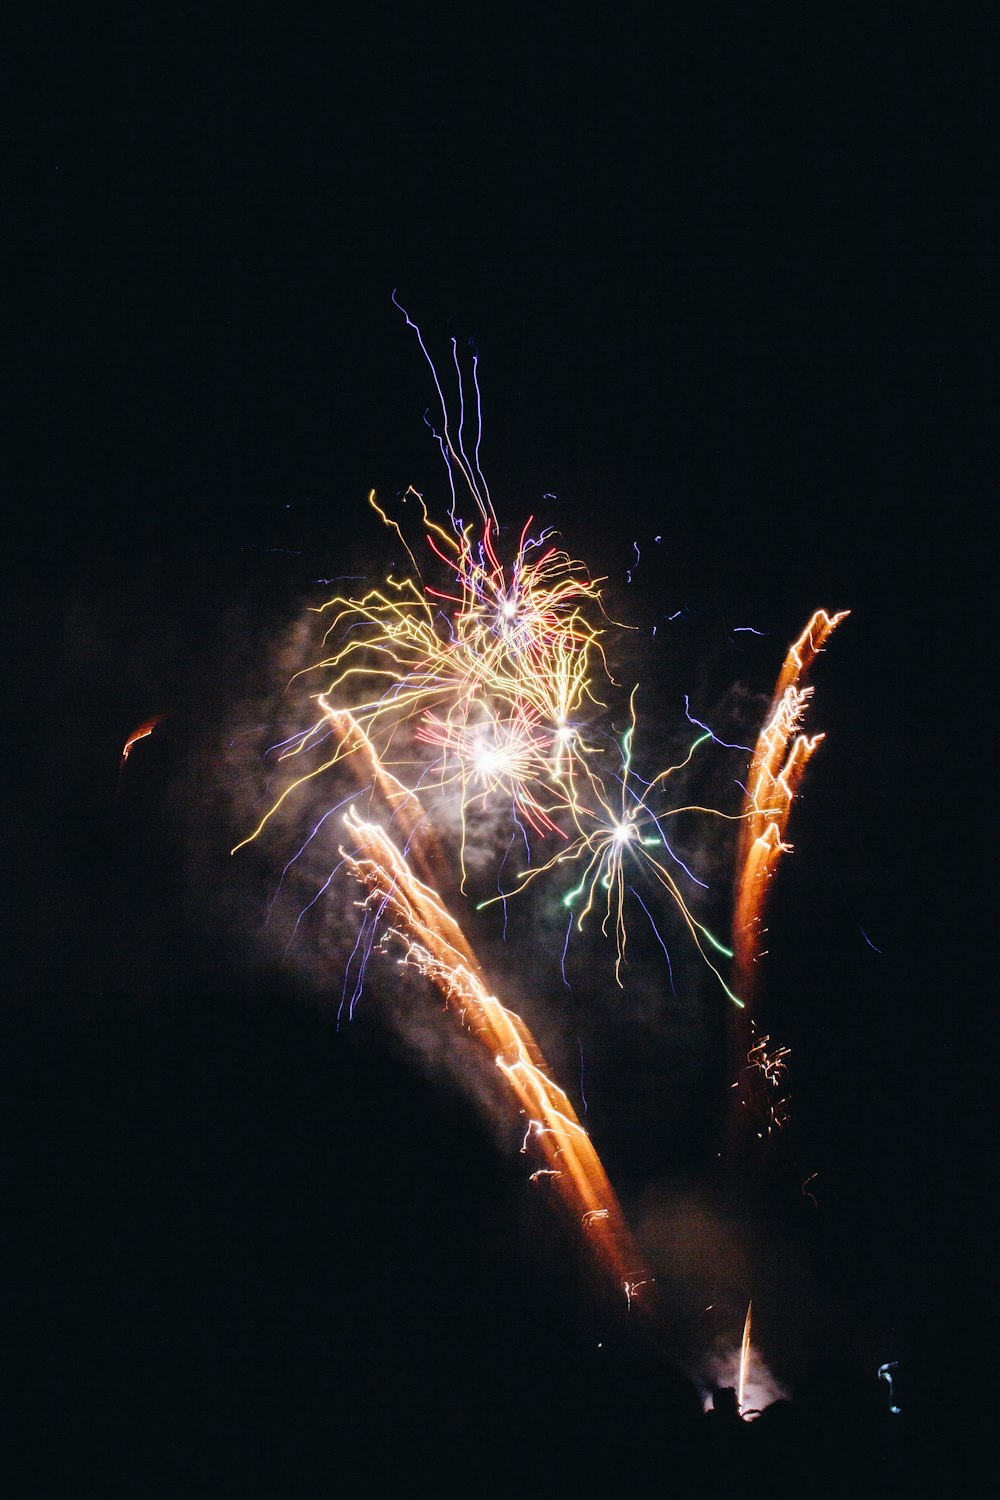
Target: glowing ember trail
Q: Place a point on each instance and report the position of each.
(779, 760)
(141, 733)
(434, 945)
(761, 1085)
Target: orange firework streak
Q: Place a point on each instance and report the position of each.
(775, 773)
(435, 945)
(779, 760)
(140, 733)
(405, 806)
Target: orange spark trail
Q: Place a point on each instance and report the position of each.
(407, 810)
(435, 945)
(143, 730)
(779, 761)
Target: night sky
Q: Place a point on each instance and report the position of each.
(729, 273)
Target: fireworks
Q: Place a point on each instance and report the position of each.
(471, 697)
(433, 944)
(779, 760)
(481, 695)
(141, 732)
(761, 1085)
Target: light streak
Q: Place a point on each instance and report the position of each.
(145, 729)
(631, 1287)
(761, 1085)
(744, 1360)
(779, 760)
(886, 1372)
(433, 944)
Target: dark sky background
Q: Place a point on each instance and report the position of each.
(729, 272)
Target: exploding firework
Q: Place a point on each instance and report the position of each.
(471, 700)
(480, 697)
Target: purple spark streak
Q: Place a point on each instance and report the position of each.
(366, 936)
(676, 857)
(310, 904)
(302, 849)
(445, 442)
(300, 740)
(666, 954)
(463, 456)
(562, 961)
(697, 722)
(479, 425)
